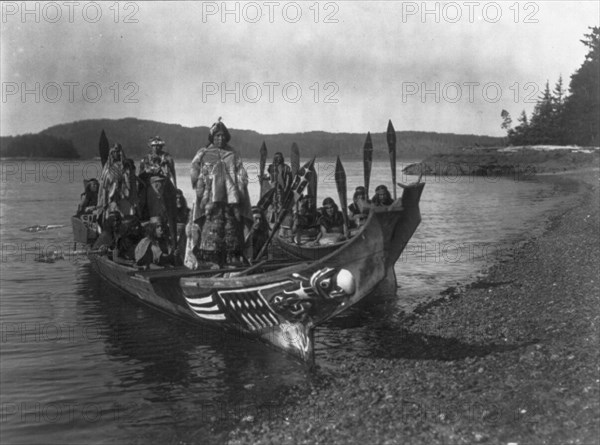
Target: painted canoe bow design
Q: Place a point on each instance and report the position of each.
(282, 313)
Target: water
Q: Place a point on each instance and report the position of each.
(81, 363)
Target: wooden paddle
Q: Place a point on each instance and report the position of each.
(391, 141)
(103, 148)
(311, 189)
(295, 159)
(340, 183)
(293, 193)
(367, 162)
(189, 259)
(263, 163)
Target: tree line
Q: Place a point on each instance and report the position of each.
(37, 146)
(183, 142)
(559, 118)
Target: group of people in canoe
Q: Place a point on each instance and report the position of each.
(146, 221)
(326, 224)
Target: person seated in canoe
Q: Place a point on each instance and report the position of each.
(331, 223)
(89, 197)
(153, 250)
(359, 209)
(159, 199)
(158, 162)
(222, 200)
(131, 233)
(259, 233)
(181, 218)
(382, 197)
(313, 211)
(306, 225)
(280, 179)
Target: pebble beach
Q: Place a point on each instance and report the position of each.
(510, 359)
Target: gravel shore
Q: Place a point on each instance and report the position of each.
(511, 359)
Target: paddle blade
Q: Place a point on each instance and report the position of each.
(295, 159)
(262, 164)
(367, 161)
(311, 189)
(263, 158)
(340, 180)
(266, 199)
(391, 141)
(293, 193)
(103, 148)
(340, 183)
(192, 230)
(301, 181)
(391, 136)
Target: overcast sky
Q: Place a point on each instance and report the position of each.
(285, 66)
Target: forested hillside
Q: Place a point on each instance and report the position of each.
(182, 142)
(561, 116)
(37, 146)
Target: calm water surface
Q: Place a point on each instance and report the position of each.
(81, 363)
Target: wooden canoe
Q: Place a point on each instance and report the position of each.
(282, 307)
(279, 303)
(308, 251)
(84, 229)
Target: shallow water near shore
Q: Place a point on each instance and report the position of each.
(81, 363)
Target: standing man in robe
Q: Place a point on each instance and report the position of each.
(157, 173)
(118, 184)
(158, 162)
(280, 178)
(222, 201)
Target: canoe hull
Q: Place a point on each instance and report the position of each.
(280, 306)
(84, 229)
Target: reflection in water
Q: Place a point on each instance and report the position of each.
(187, 370)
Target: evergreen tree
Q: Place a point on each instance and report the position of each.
(559, 118)
(558, 105)
(521, 134)
(506, 120)
(506, 125)
(541, 119)
(582, 107)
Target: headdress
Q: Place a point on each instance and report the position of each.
(156, 141)
(218, 127)
(381, 187)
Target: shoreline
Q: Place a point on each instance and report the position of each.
(510, 358)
